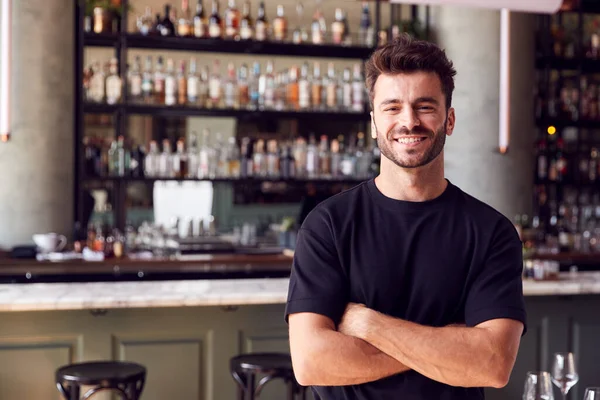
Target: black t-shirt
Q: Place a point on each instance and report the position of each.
(449, 260)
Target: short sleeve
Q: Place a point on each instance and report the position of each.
(317, 282)
(497, 290)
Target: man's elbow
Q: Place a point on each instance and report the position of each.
(500, 373)
(304, 368)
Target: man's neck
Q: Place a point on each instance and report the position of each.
(412, 184)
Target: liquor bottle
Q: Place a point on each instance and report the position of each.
(561, 161)
(280, 91)
(272, 159)
(170, 84)
(287, 164)
(312, 158)
(123, 161)
(267, 90)
(152, 160)
(259, 159)
(358, 90)
(292, 89)
(182, 81)
(280, 25)
(316, 87)
(192, 84)
(230, 94)
(145, 22)
(159, 82)
(363, 158)
(200, 21)
(214, 86)
(192, 158)
(135, 80)
(324, 158)
(215, 24)
(300, 157)
(136, 162)
(262, 24)
(338, 28)
(304, 88)
(180, 161)
(246, 25)
(331, 87)
(232, 21)
(113, 159)
(97, 84)
(147, 81)
(233, 159)
(365, 33)
(317, 27)
(336, 160)
(204, 156)
(299, 35)
(185, 27)
(203, 87)
(246, 164)
(542, 161)
(253, 86)
(165, 161)
(113, 83)
(242, 87)
(348, 158)
(594, 165)
(167, 28)
(346, 90)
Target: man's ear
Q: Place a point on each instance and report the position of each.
(451, 120)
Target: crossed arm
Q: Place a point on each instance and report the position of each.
(369, 346)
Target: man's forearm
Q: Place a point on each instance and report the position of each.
(456, 356)
(336, 359)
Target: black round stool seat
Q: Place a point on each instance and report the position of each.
(125, 378)
(245, 367)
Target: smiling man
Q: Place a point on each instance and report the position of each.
(405, 287)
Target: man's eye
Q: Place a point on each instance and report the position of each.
(392, 109)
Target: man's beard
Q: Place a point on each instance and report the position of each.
(434, 150)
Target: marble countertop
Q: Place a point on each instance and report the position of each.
(217, 292)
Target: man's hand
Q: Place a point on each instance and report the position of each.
(355, 321)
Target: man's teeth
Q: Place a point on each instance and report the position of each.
(410, 140)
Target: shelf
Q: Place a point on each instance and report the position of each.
(138, 41)
(591, 258)
(565, 64)
(186, 111)
(568, 182)
(229, 180)
(100, 39)
(563, 123)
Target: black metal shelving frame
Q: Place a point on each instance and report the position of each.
(123, 40)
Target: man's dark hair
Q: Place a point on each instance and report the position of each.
(406, 54)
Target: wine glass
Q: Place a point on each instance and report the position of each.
(592, 393)
(538, 386)
(564, 373)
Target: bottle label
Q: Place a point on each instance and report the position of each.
(246, 32)
(279, 29)
(230, 31)
(199, 27)
(337, 32)
(136, 85)
(317, 36)
(357, 96)
(347, 96)
(147, 86)
(261, 30)
(192, 88)
(304, 94)
(214, 31)
(113, 90)
(214, 89)
(183, 30)
(170, 91)
(159, 85)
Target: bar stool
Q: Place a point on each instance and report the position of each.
(245, 367)
(125, 378)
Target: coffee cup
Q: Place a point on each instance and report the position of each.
(49, 242)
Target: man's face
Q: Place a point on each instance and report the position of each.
(409, 118)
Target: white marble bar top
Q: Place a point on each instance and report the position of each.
(218, 292)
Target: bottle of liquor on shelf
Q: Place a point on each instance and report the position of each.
(280, 25)
(113, 159)
(214, 86)
(542, 161)
(97, 89)
(317, 33)
(192, 84)
(262, 24)
(182, 84)
(145, 22)
(594, 165)
(299, 34)
(280, 90)
(267, 100)
(215, 23)
(167, 27)
(192, 157)
(185, 27)
(147, 81)
(336, 159)
(324, 159)
(180, 161)
(348, 165)
(159, 82)
(338, 27)
(246, 24)
(170, 84)
(113, 83)
(365, 34)
(230, 94)
(135, 80)
(259, 159)
(204, 156)
(203, 87)
(151, 161)
(246, 163)
(272, 159)
(233, 159)
(358, 90)
(363, 157)
(253, 86)
(200, 21)
(304, 89)
(232, 21)
(300, 157)
(242, 87)
(292, 89)
(332, 89)
(287, 163)
(312, 158)
(124, 157)
(165, 161)
(594, 51)
(316, 88)
(346, 90)
(136, 162)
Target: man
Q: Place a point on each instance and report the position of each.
(405, 287)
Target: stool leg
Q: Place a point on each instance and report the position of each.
(250, 388)
(290, 389)
(74, 392)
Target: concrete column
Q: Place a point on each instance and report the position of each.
(471, 38)
(36, 166)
